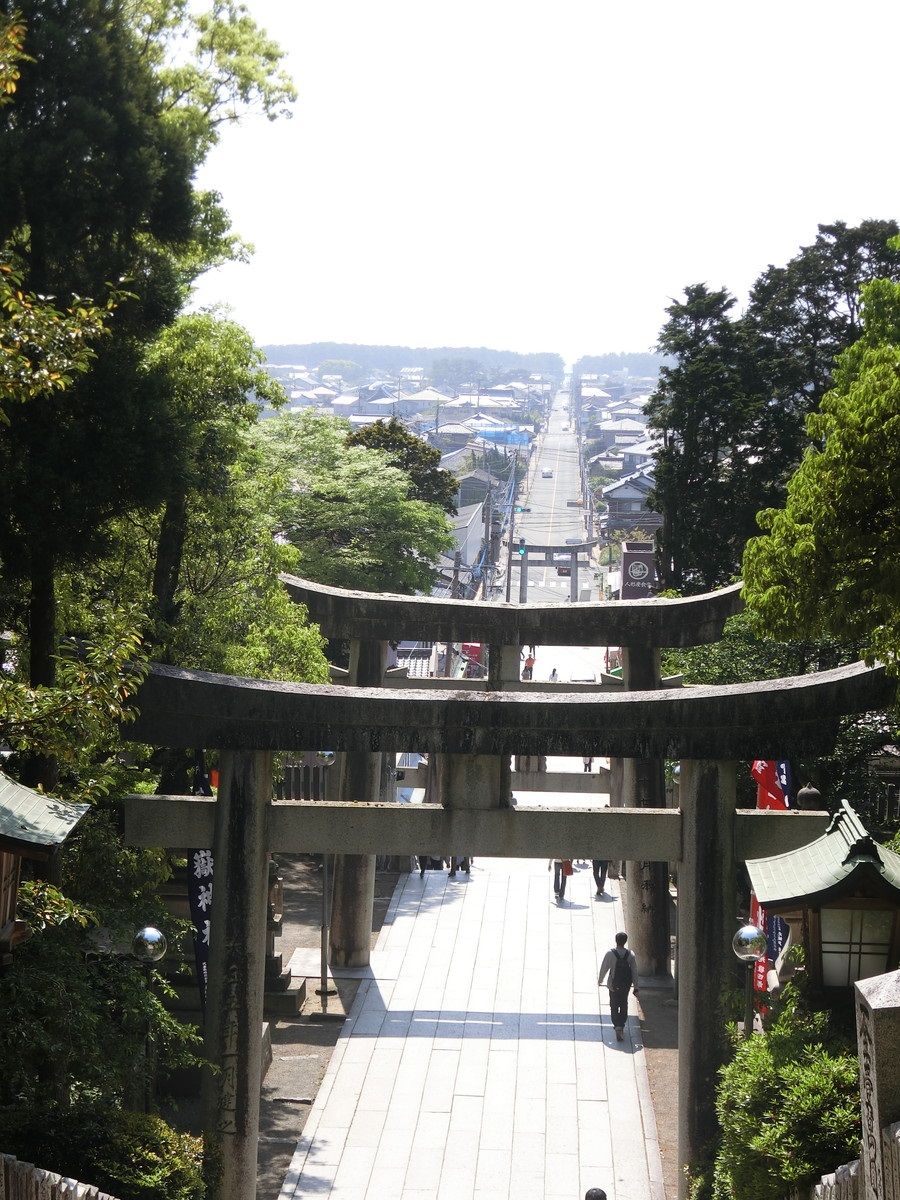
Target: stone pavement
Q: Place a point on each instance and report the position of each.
(477, 1061)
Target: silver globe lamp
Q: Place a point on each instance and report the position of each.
(750, 946)
(148, 945)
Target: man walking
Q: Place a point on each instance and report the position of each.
(621, 966)
(562, 869)
(601, 866)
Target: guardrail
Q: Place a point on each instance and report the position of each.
(846, 1182)
(25, 1181)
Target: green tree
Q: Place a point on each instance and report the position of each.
(454, 374)
(731, 411)
(348, 512)
(99, 152)
(350, 372)
(421, 462)
(212, 378)
(788, 1106)
(829, 561)
(747, 652)
(807, 312)
(700, 413)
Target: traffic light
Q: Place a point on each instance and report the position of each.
(521, 547)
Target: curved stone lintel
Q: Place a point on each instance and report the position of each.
(771, 719)
(688, 621)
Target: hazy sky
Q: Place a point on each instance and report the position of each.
(547, 176)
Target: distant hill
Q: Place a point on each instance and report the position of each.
(609, 364)
(389, 360)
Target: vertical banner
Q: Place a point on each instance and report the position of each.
(200, 884)
(200, 881)
(774, 787)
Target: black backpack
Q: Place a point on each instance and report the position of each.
(622, 978)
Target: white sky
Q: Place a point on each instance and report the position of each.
(547, 176)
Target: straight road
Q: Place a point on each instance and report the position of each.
(479, 1061)
(551, 520)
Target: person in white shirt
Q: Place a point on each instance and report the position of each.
(621, 967)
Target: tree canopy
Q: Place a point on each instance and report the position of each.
(350, 514)
(421, 462)
(733, 397)
(829, 560)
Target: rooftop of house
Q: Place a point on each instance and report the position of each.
(29, 820)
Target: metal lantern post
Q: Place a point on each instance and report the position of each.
(749, 944)
(148, 947)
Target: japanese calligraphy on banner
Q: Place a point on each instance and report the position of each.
(200, 887)
(773, 791)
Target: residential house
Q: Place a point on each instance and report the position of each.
(608, 435)
(626, 503)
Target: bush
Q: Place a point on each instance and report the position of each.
(788, 1106)
(133, 1156)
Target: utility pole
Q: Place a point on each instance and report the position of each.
(509, 550)
(512, 526)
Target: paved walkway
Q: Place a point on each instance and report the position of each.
(477, 1061)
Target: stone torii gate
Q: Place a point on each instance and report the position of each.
(247, 720)
(640, 627)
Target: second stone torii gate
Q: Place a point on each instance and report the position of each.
(247, 720)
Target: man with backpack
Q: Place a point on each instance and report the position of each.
(621, 966)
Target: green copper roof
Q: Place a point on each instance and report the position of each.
(844, 859)
(32, 819)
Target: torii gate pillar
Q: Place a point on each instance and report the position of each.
(353, 895)
(706, 910)
(643, 786)
(237, 973)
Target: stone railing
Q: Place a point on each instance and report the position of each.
(845, 1182)
(23, 1181)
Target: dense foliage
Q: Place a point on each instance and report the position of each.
(134, 1156)
(608, 364)
(788, 1107)
(348, 513)
(421, 462)
(747, 651)
(732, 402)
(390, 360)
(829, 560)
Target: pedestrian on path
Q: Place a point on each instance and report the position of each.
(621, 966)
(588, 763)
(458, 863)
(528, 669)
(553, 676)
(595, 1194)
(601, 866)
(562, 869)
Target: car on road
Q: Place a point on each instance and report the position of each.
(546, 473)
(564, 572)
